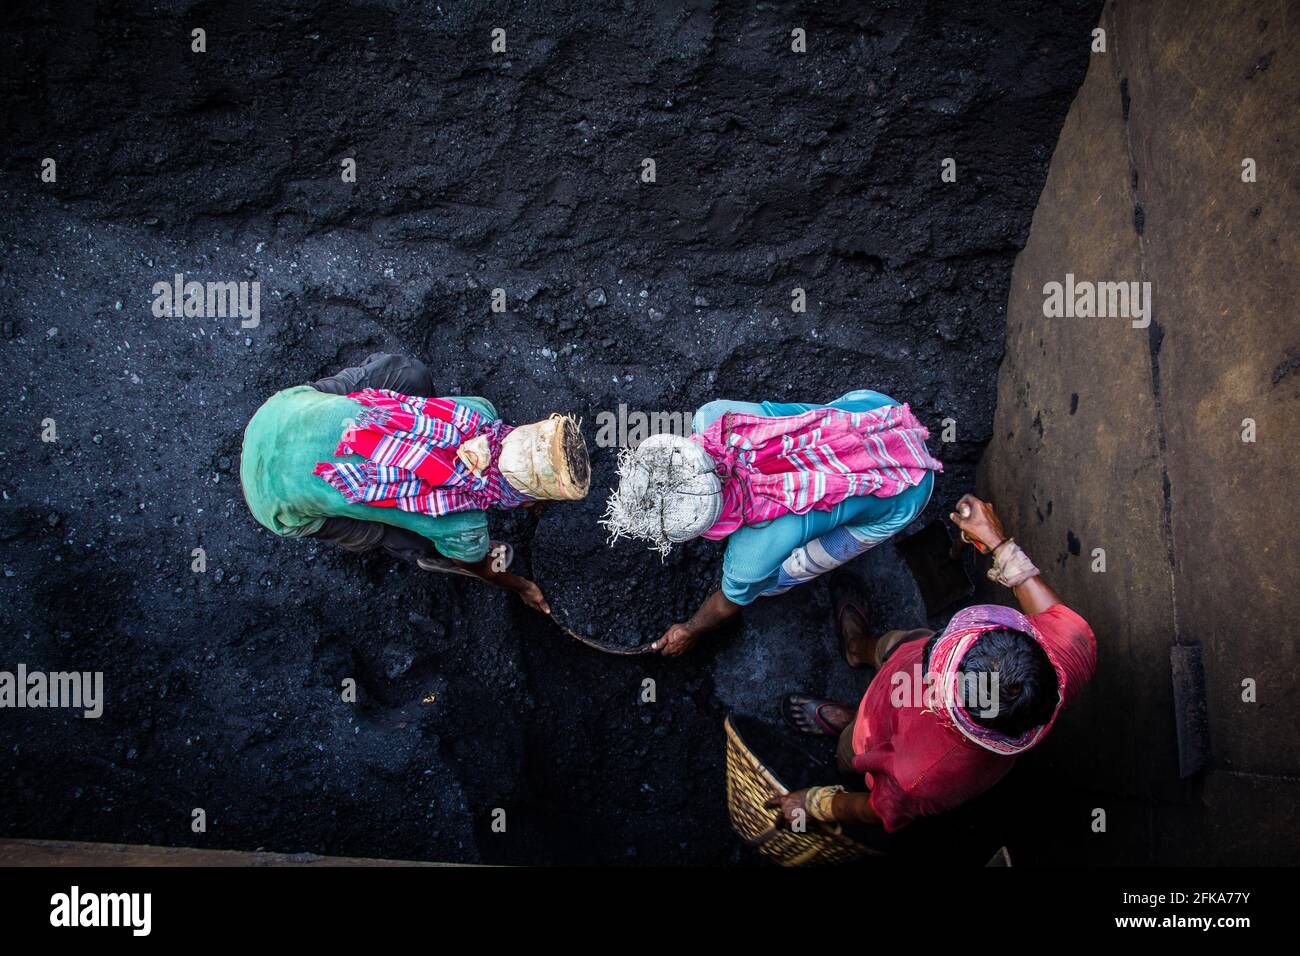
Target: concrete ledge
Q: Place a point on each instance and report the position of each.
(71, 853)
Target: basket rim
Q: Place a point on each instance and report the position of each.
(835, 838)
(734, 734)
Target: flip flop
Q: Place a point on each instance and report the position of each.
(811, 709)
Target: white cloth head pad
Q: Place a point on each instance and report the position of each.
(668, 492)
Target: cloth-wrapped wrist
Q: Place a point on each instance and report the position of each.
(1011, 566)
(818, 802)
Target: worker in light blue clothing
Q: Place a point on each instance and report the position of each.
(796, 489)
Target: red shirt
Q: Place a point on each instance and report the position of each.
(917, 766)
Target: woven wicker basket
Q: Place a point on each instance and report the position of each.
(749, 785)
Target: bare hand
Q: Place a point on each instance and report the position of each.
(978, 521)
(531, 595)
(677, 640)
(792, 807)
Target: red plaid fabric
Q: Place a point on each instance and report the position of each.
(410, 445)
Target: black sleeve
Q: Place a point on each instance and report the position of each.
(381, 370)
(361, 536)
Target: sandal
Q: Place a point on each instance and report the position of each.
(846, 598)
(805, 715)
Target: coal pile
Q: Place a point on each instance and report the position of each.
(476, 171)
(638, 594)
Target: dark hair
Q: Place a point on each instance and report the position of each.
(1027, 687)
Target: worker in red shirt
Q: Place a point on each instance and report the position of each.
(946, 714)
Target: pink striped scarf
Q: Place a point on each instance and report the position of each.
(946, 658)
(814, 460)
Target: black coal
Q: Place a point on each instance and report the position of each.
(775, 171)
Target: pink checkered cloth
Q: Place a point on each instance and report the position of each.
(410, 445)
(814, 460)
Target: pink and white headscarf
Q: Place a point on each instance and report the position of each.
(946, 658)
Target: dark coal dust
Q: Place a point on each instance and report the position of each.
(476, 171)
